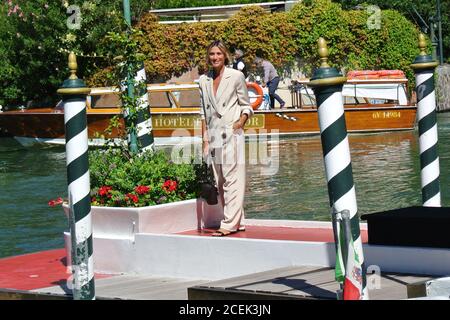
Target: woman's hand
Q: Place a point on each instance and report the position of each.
(240, 123)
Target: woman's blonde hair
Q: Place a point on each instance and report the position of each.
(219, 44)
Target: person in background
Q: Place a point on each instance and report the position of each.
(225, 108)
(238, 63)
(271, 80)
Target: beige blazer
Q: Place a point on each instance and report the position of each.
(223, 110)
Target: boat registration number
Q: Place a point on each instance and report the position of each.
(386, 114)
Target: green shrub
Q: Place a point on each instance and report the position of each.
(320, 18)
(408, 8)
(283, 38)
(269, 35)
(121, 179)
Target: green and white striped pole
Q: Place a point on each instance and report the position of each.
(327, 84)
(132, 138)
(424, 66)
(144, 119)
(74, 92)
(141, 135)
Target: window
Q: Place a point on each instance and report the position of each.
(160, 99)
(187, 98)
(354, 100)
(107, 100)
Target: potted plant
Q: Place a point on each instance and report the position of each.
(123, 179)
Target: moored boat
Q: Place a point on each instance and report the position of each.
(371, 105)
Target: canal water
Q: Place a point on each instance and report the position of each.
(385, 166)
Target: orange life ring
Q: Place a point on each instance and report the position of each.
(258, 94)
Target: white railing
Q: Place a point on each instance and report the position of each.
(216, 13)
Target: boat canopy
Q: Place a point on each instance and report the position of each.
(383, 91)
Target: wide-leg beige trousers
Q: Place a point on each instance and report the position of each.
(229, 172)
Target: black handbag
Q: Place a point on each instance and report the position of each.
(208, 187)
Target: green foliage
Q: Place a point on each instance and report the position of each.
(34, 51)
(398, 34)
(283, 38)
(167, 4)
(393, 46)
(321, 18)
(120, 176)
(35, 40)
(173, 49)
(116, 177)
(426, 9)
(270, 35)
(128, 62)
(27, 71)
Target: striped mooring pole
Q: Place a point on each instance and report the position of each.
(424, 67)
(327, 84)
(141, 136)
(132, 138)
(144, 120)
(74, 92)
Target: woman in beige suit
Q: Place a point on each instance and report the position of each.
(225, 110)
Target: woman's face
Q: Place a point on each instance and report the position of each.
(216, 58)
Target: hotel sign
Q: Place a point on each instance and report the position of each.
(192, 121)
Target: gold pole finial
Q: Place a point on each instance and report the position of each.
(73, 66)
(323, 53)
(422, 44)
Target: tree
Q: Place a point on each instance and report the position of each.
(36, 37)
(426, 9)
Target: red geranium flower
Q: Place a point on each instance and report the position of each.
(170, 185)
(103, 191)
(142, 189)
(133, 197)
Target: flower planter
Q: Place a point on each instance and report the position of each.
(125, 222)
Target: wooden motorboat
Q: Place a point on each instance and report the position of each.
(371, 105)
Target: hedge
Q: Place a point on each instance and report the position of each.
(284, 38)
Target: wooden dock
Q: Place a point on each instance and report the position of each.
(299, 283)
(134, 287)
